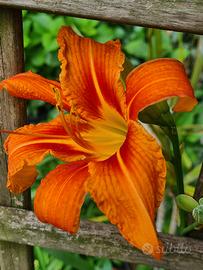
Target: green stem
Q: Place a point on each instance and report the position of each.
(198, 65)
(40, 256)
(189, 228)
(150, 44)
(178, 170)
(177, 160)
(158, 42)
(181, 47)
(180, 40)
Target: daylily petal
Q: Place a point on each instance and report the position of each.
(60, 196)
(29, 85)
(25, 151)
(90, 75)
(129, 186)
(157, 80)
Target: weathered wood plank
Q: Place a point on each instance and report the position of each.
(96, 239)
(12, 115)
(178, 15)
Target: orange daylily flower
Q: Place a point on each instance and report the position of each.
(105, 150)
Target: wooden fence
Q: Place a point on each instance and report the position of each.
(19, 229)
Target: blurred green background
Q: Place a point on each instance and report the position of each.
(139, 44)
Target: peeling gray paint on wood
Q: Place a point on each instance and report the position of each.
(175, 15)
(97, 239)
(12, 115)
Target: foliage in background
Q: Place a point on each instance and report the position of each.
(139, 44)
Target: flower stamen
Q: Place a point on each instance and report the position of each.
(70, 128)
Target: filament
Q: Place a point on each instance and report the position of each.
(69, 128)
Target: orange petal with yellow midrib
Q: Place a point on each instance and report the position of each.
(90, 73)
(129, 186)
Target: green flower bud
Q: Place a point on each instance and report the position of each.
(198, 214)
(186, 203)
(201, 201)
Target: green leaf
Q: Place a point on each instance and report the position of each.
(109, 33)
(56, 24)
(144, 267)
(192, 175)
(187, 162)
(26, 29)
(42, 22)
(38, 57)
(104, 264)
(49, 42)
(51, 60)
(75, 260)
(157, 114)
(41, 257)
(87, 27)
(166, 43)
(55, 264)
(137, 48)
(181, 54)
(26, 41)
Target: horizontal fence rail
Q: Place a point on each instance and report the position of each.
(175, 15)
(96, 239)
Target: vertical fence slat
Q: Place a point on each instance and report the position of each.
(12, 115)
